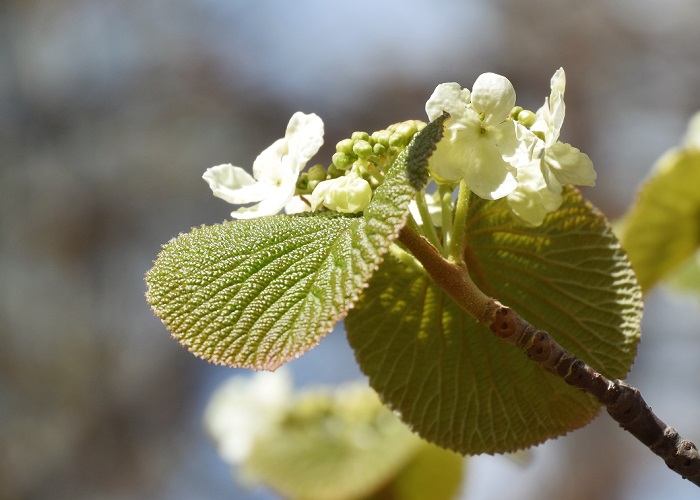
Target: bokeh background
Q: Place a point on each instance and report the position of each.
(111, 110)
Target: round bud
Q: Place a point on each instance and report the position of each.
(344, 146)
(317, 173)
(360, 136)
(527, 118)
(342, 160)
(362, 149)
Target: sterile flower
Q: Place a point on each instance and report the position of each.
(560, 160)
(347, 194)
(244, 408)
(534, 198)
(480, 144)
(275, 170)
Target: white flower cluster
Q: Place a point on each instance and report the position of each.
(276, 171)
(497, 149)
(499, 156)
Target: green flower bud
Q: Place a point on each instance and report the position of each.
(527, 118)
(379, 149)
(342, 160)
(362, 149)
(398, 140)
(334, 172)
(382, 137)
(303, 183)
(515, 112)
(317, 173)
(360, 136)
(407, 128)
(344, 146)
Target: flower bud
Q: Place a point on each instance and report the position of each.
(317, 173)
(362, 149)
(342, 160)
(344, 146)
(527, 118)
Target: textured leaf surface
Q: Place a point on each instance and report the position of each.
(257, 293)
(663, 227)
(451, 379)
(340, 446)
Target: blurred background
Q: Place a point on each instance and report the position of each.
(111, 110)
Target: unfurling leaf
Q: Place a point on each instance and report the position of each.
(662, 230)
(257, 293)
(458, 385)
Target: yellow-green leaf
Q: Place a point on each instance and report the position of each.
(662, 229)
(257, 293)
(451, 379)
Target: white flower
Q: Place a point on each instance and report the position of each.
(480, 144)
(275, 170)
(347, 194)
(553, 163)
(244, 408)
(560, 160)
(534, 198)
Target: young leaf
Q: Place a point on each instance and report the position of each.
(257, 293)
(433, 473)
(451, 379)
(663, 227)
(340, 446)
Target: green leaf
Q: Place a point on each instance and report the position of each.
(433, 473)
(257, 293)
(663, 227)
(451, 379)
(687, 277)
(333, 446)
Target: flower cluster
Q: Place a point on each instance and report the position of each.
(501, 150)
(278, 182)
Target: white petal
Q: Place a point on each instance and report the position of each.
(305, 137)
(488, 175)
(269, 166)
(494, 96)
(235, 185)
(296, 206)
(569, 165)
(558, 82)
(450, 97)
(272, 203)
(534, 199)
(289, 155)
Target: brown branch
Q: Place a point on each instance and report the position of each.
(623, 402)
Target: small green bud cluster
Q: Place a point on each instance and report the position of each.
(309, 180)
(523, 116)
(368, 155)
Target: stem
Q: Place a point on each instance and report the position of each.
(623, 402)
(460, 223)
(428, 226)
(445, 193)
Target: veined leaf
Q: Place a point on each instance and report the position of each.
(663, 227)
(451, 379)
(257, 293)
